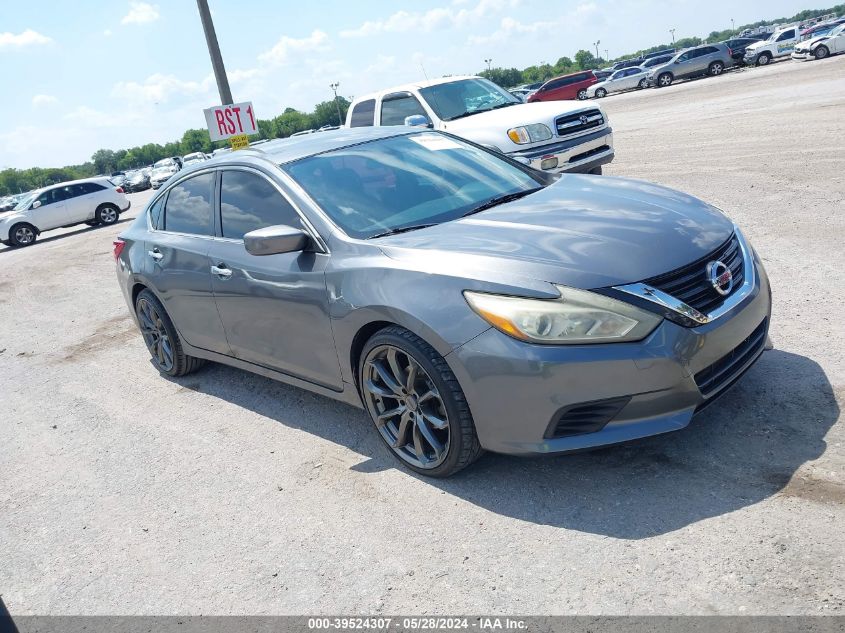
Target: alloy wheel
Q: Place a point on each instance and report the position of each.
(108, 215)
(821, 52)
(582, 94)
(716, 69)
(665, 80)
(406, 406)
(155, 335)
(24, 235)
(601, 92)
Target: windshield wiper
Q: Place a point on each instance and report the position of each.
(504, 105)
(463, 114)
(402, 229)
(493, 202)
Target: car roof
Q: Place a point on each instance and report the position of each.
(288, 150)
(70, 182)
(416, 85)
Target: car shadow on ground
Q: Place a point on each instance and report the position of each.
(46, 240)
(736, 453)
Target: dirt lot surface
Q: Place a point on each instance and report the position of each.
(125, 493)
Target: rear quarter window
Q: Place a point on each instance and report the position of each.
(188, 207)
(363, 114)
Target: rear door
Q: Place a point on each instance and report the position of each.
(275, 308)
(83, 202)
(177, 261)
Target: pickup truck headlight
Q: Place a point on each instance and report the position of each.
(577, 317)
(530, 133)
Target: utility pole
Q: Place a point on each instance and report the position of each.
(214, 52)
(488, 62)
(672, 31)
(596, 44)
(733, 28)
(334, 88)
(606, 55)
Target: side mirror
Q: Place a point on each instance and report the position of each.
(36, 204)
(417, 120)
(273, 240)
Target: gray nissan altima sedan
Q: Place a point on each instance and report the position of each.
(466, 301)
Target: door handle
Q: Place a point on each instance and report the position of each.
(155, 254)
(222, 271)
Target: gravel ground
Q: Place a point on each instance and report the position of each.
(225, 493)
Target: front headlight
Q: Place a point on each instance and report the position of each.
(576, 317)
(529, 133)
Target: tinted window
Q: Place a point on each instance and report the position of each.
(54, 195)
(363, 114)
(394, 111)
(709, 50)
(786, 35)
(155, 214)
(90, 187)
(249, 202)
(188, 208)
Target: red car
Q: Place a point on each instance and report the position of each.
(572, 86)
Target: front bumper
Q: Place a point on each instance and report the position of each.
(518, 391)
(802, 55)
(578, 155)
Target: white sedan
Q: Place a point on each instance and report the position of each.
(624, 79)
(821, 46)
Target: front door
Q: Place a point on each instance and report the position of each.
(177, 261)
(274, 308)
(52, 212)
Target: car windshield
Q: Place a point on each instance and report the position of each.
(27, 200)
(837, 30)
(462, 98)
(164, 162)
(405, 182)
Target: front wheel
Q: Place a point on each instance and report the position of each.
(582, 95)
(22, 235)
(764, 59)
(821, 52)
(416, 403)
(643, 83)
(601, 93)
(665, 80)
(716, 68)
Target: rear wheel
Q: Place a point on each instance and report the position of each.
(107, 214)
(416, 403)
(582, 95)
(763, 59)
(22, 234)
(665, 80)
(161, 337)
(601, 92)
(821, 52)
(716, 68)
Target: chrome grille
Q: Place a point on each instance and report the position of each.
(691, 285)
(570, 124)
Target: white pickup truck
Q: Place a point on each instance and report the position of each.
(780, 44)
(553, 136)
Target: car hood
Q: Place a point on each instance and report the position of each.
(582, 231)
(515, 115)
(757, 45)
(808, 44)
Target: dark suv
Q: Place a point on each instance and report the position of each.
(708, 59)
(738, 46)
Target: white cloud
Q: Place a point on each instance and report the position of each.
(43, 100)
(427, 21)
(158, 88)
(281, 50)
(510, 27)
(24, 38)
(107, 32)
(141, 13)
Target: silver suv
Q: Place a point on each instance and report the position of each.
(708, 59)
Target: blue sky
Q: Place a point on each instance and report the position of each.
(85, 75)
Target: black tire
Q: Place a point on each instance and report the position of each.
(22, 234)
(601, 93)
(462, 447)
(107, 214)
(664, 80)
(821, 52)
(582, 94)
(93, 223)
(180, 363)
(763, 59)
(715, 69)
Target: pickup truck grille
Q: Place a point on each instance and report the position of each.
(570, 124)
(690, 283)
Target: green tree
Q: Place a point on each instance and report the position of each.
(585, 60)
(325, 113)
(196, 140)
(289, 122)
(104, 161)
(504, 77)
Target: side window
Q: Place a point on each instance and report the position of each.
(249, 202)
(786, 35)
(686, 56)
(363, 114)
(394, 110)
(155, 213)
(188, 208)
(54, 195)
(76, 190)
(90, 187)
